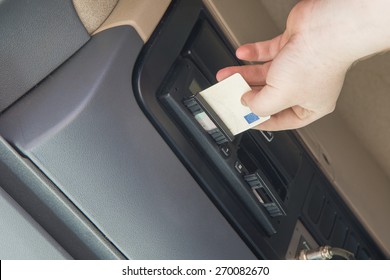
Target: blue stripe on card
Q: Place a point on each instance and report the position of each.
(251, 117)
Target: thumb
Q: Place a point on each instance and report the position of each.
(267, 101)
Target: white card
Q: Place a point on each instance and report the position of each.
(225, 99)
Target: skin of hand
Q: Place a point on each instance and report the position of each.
(303, 69)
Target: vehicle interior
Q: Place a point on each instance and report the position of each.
(102, 155)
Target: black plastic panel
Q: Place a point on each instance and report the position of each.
(339, 233)
(316, 203)
(174, 97)
(332, 223)
(206, 50)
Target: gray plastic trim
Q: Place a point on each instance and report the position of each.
(84, 129)
(51, 209)
(21, 237)
(36, 37)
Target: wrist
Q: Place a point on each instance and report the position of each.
(366, 29)
(348, 30)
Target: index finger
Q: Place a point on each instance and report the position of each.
(260, 51)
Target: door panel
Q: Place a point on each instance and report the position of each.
(85, 131)
(143, 15)
(21, 237)
(36, 38)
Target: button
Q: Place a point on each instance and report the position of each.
(226, 150)
(264, 194)
(339, 233)
(218, 136)
(327, 220)
(316, 202)
(239, 167)
(351, 244)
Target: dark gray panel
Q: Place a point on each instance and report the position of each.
(84, 129)
(36, 37)
(21, 237)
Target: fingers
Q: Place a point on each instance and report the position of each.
(257, 88)
(227, 72)
(288, 119)
(260, 51)
(284, 112)
(254, 75)
(268, 101)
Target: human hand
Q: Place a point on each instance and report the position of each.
(305, 67)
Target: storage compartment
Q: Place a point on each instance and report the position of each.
(206, 48)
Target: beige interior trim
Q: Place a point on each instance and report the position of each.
(242, 21)
(93, 13)
(143, 15)
(356, 175)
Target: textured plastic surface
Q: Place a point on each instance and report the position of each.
(21, 237)
(92, 140)
(45, 203)
(36, 37)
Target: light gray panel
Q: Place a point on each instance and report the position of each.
(21, 237)
(84, 129)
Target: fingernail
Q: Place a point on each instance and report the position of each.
(217, 76)
(238, 53)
